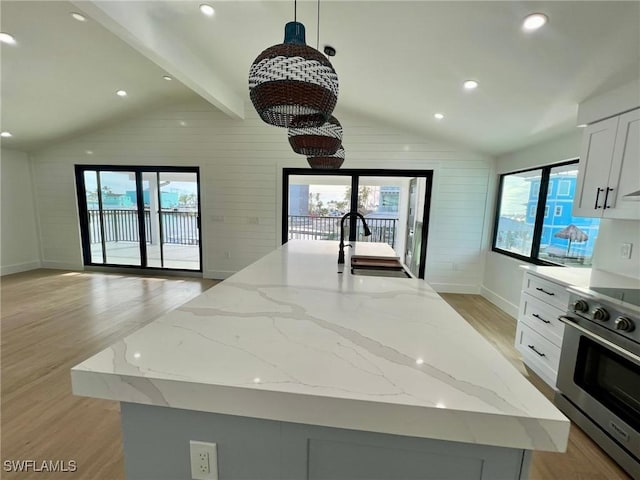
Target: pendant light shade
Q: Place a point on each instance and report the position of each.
(317, 141)
(327, 162)
(292, 84)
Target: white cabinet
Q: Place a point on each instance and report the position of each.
(539, 332)
(609, 169)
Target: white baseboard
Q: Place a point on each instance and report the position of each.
(62, 265)
(217, 274)
(500, 302)
(19, 267)
(455, 288)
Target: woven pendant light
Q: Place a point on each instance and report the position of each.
(292, 84)
(317, 141)
(328, 162)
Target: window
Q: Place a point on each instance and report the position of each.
(524, 228)
(535, 188)
(564, 188)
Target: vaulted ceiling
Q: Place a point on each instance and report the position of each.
(399, 62)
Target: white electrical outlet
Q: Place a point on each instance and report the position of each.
(204, 460)
(625, 250)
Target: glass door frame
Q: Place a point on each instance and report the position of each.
(355, 174)
(138, 170)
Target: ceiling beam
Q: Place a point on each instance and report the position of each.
(133, 23)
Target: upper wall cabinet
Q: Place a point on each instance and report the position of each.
(609, 171)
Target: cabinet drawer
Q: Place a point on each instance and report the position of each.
(546, 291)
(542, 318)
(537, 350)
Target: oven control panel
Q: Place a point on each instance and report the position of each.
(606, 314)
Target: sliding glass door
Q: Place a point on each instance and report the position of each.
(316, 204)
(139, 216)
(395, 204)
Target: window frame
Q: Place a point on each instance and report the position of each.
(539, 217)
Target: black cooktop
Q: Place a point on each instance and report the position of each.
(629, 295)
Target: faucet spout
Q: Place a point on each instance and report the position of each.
(367, 232)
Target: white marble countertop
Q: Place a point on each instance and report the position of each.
(290, 339)
(583, 280)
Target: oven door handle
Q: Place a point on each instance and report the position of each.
(569, 321)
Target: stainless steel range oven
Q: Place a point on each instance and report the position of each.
(599, 374)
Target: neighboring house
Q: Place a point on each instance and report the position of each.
(387, 202)
(167, 199)
(116, 200)
(558, 215)
(299, 200)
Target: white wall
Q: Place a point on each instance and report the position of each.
(502, 276)
(241, 165)
(19, 246)
(611, 235)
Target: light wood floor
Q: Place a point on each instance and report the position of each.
(52, 320)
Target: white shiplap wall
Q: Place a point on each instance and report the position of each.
(241, 165)
(19, 248)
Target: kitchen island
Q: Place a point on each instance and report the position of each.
(297, 371)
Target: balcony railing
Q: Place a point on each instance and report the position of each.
(179, 228)
(328, 228)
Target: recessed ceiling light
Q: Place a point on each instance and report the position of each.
(167, 77)
(89, 152)
(582, 125)
(534, 21)
(79, 17)
(183, 123)
(207, 10)
(438, 116)
(470, 84)
(121, 93)
(5, 135)
(419, 361)
(6, 38)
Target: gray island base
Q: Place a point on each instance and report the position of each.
(156, 446)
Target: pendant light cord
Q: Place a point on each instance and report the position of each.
(318, 31)
(295, 10)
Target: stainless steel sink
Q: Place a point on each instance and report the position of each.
(372, 266)
(381, 272)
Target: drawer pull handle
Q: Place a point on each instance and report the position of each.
(540, 318)
(544, 291)
(532, 347)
